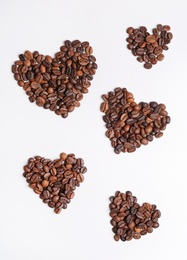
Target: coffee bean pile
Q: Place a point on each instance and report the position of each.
(55, 181)
(130, 124)
(149, 47)
(129, 219)
(57, 83)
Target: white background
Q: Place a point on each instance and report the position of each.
(155, 173)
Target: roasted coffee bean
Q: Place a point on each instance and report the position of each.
(160, 57)
(145, 45)
(51, 81)
(148, 65)
(140, 51)
(53, 180)
(150, 39)
(129, 219)
(129, 125)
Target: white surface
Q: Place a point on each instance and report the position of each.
(155, 173)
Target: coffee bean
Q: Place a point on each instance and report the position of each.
(45, 183)
(55, 198)
(46, 194)
(140, 51)
(57, 83)
(160, 57)
(158, 50)
(53, 180)
(150, 38)
(166, 28)
(140, 59)
(28, 55)
(129, 125)
(134, 223)
(130, 30)
(130, 46)
(148, 65)
(159, 27)
(145, 45)
(104, 107)
(40, 101)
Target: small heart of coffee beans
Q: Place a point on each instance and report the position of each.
(129, 219)
(130, 124)
(55, 181)
(57, 83)
(149, 47)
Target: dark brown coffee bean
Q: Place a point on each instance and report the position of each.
(130, 46)
(57, 210)
(148, 65)
(165, 47)
(146, 58)
(133, 210)
(117, 237)
(169, 35)
(158, 50)
(140, 59)
(136, 236)
(149, 229)
(29, 75)
(46, 194)
(168, 119)
(155, 225)
(140, 51)
(159, 27)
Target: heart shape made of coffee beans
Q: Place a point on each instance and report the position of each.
(57, 83)
(149, 47)
(129, 219)
(130, 124)
(55, 181)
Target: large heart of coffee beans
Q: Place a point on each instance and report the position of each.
(55, 181)
(130, 124)
(129, 219)
(57, 83)
(149, 47)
